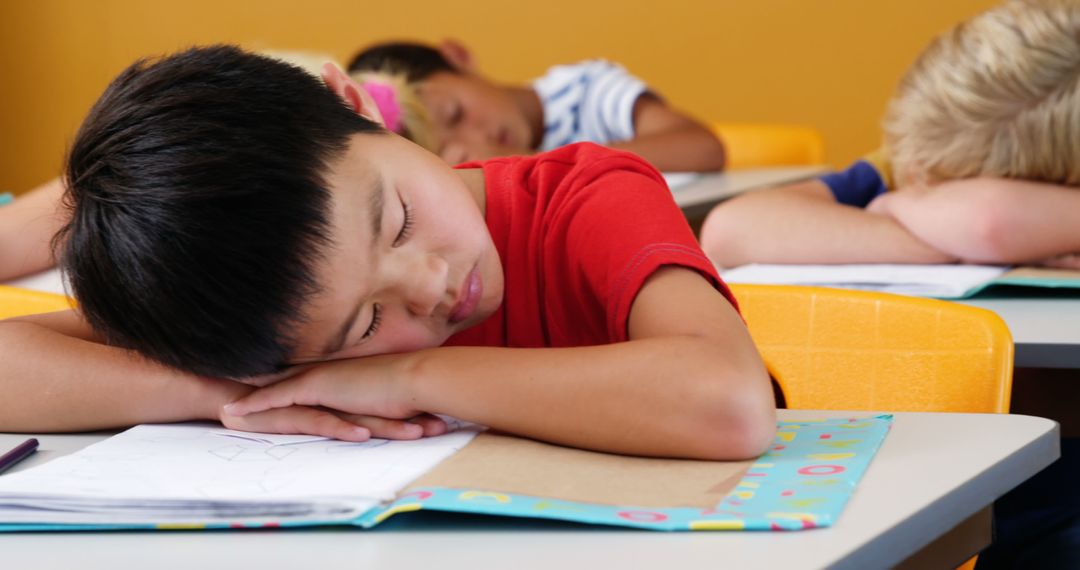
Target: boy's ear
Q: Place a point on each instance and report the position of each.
(350, 91)
(457, 55)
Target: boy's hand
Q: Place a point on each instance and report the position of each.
(310, 420)
(368, 391)
(346, 427)
(299, 419)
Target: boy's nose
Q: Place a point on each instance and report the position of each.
(425, 285)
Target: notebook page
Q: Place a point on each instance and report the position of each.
(49, 281)
(197, 472)
(945, 281)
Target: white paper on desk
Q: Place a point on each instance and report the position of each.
(944, 281)
(49, 281)
(189, 473)
(679, 179)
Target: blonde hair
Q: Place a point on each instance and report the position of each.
(415, 121)
(309, 61)
(997, 95)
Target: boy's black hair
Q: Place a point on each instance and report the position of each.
(416, 61)
(200, 208)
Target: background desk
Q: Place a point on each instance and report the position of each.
(697, 194)
(933, 472)
(1045, 329)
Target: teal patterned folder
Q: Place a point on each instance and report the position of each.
(802, 482)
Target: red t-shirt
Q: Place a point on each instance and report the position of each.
(578, 230)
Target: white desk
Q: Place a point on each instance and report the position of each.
(704, 191)
(933, 472)
(1046, 330)
(49, 281)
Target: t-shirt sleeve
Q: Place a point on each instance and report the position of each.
(610, 100)
(621, 226)
(856, 186)
(591, 101)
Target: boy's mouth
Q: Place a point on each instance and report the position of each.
(468, 298)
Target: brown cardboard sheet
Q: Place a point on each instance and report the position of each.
(1043, 273)
(506, 464)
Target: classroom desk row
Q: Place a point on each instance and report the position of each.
(1045, 329)
(923, 502)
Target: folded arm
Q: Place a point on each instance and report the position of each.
(803, 223)
(57, 376)
(672, 141)
(27, 227)
(689, 383)
(990, 220)
(669, 140)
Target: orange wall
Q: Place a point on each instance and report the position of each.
(830, 64)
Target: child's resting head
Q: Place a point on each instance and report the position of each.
(464, 107)
(998, 95)
(231, 215)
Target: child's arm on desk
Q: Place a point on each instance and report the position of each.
(990, 220)
(803, 223)
(669, 140)
(689, 383)
(672, 141)
(57, 376)
(27, 227)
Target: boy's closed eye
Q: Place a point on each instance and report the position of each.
(406, 224)
(400, 238)
(454, 114)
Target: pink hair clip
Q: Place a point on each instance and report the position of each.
(386, 100)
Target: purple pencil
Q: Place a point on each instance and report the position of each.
(21, 451)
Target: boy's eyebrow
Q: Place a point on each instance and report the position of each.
(376, 205)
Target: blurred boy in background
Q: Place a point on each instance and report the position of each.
(981, 153)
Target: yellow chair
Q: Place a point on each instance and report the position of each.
(832, 349)
(855, 350)
(751, 145)
(16, 302)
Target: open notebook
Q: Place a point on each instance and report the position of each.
(194, 476)
(939, 281)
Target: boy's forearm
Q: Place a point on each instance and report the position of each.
(991, 220)
(802, 223)
(27, 227)
(51, 382)
(689, 148)
(676, 397)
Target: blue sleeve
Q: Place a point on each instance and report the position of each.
(857, 186)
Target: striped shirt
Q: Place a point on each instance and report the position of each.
(591, 101)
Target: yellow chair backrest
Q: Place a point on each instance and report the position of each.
(16, 302)
(757, 145)
(855, 350)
